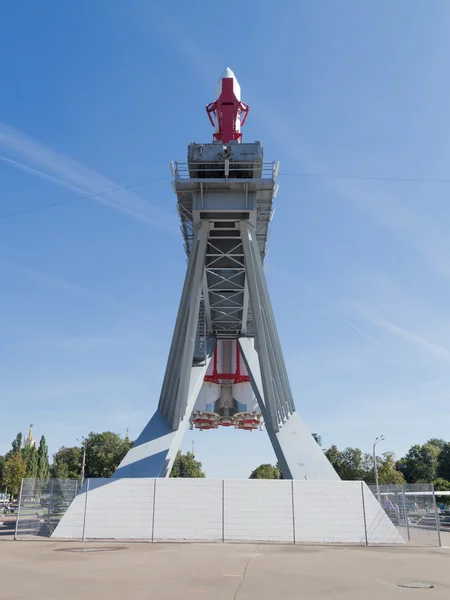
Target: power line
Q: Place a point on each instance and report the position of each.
(303, 175)
(52, 204)
(366, 178)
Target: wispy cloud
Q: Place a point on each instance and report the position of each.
(363, 333)
(380, 321)
(305, 287)
(41, 161)
(66, 286)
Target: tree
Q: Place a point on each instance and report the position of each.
(420, 465)
(438, 442)
(2, 466)
(441, 485)
(43, 467)
(14, 471)
(353, 465)
(350, 464)
(443, 469)
(16, 445)
(185, 465)
(67, 463)
(387, 471)
(266, 471)
(279, 470)
(104, 453)
(30, 454)
(334, 456)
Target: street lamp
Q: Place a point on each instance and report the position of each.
(83, 464)
(379, 439)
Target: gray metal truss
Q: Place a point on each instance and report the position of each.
(225, 207)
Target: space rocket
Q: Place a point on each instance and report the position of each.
(227, 113)
(226, 398)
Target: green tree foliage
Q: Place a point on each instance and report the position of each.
(14, 471)
(104, 452)
(441, 485)
(16, 445)
(420, 465)
(438, 442)
(30, 454)
(266, 471)
(353, 465)
(185, 465)
(67, 463)
(350, 464)
(443, 469)
(2, 466)
(43, 467)
(387, 470)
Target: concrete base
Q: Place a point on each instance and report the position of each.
(343, 512)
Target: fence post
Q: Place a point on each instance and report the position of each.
(364, 513)
(406, 513)
(223, 510)
(436, 514)
(85, 508)
(293, 509)
(154, 505)
(50, 507)
(18, 509)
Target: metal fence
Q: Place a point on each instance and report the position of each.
(42, 503)
(294, 510)
(415, 509)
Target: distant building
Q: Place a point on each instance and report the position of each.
(30, 441)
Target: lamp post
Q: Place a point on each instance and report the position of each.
(379, 439)
(83, 464)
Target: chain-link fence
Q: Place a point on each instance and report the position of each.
(416, 512)
(42, 504)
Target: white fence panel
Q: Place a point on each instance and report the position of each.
(71, 525)
(329, 512)
(215, 510)
(188, 509)
(258, 510)
(119, 509)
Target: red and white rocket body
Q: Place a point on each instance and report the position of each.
(227, 113)
(226, 398)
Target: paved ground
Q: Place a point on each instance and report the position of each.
(39, 570)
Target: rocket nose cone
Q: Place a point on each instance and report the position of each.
(228, 74)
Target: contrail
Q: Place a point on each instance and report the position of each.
(362, 333)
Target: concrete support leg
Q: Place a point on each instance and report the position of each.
(154, 451)
(297, 452)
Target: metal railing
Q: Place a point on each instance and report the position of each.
(224, 169)
(42, 503)
(415, 511)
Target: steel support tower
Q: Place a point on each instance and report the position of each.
(225, 194)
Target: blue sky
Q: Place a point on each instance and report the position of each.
(99, 94)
